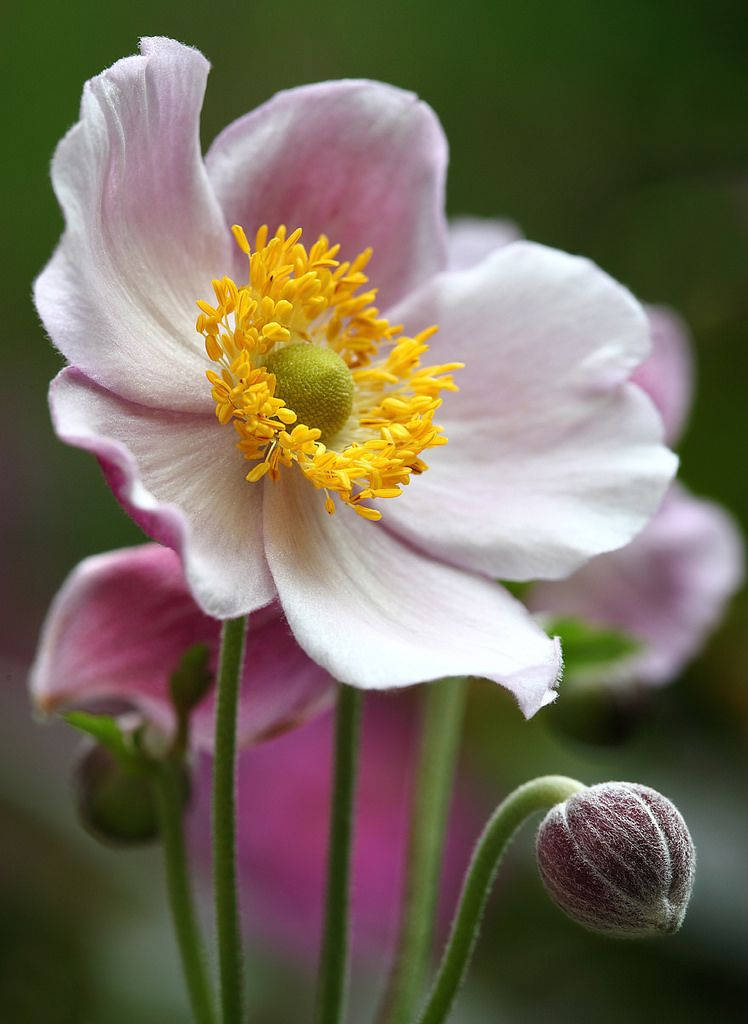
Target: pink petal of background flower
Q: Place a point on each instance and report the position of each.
(668, 588)
(118, 627)
(667, 376)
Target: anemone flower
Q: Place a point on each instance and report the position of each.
(669, 587)
(119, 626)
(276, 441)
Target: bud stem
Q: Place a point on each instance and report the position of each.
(224, 821)
(333, 970)
(168, 786)
(538, 795)
(441, 727)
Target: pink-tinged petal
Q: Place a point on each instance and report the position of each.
(144, 234)
(668, 588)
(181, 478)
(377, 614)
(667, 375)
(118, 627)
(552, 458)
(361, 162)
(471, 239)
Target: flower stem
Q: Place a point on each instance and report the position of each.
(537, 795)
(168, 787)
(224, 821)
(441, 728)
(333, 971)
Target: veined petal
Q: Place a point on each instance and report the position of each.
(181, 478)
(144, 234)
(118, 627)
(668, 588)
(552, 457)
(471, 239)
(667, 375)
(361, 162)
(377, 614)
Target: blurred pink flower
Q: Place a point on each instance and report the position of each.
(552, 458)
(667, 376)
(669, 587)
(283, 803)
(121, 622)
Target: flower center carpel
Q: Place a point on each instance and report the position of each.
(316, 383)
(310, 375)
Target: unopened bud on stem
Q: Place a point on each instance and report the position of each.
(115, 803)
(618, 858)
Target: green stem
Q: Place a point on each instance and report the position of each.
(333, 971)
(168, 787)
(443, 713)
(540, 794)
(224, 821)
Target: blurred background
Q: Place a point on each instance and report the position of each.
(616, 130)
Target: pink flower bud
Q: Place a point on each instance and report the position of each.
(618, 858)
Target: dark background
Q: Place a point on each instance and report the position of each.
(617, 130)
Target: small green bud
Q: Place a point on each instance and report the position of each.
(315, 383)
(115, 801)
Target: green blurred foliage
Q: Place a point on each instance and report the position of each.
(614, 129)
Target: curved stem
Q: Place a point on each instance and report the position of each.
(333, 971)
(168, 789)
(540, 794)
(441, 728)
(224, 821)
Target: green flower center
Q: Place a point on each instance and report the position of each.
(315, 383)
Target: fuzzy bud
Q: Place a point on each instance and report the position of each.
(618, 858)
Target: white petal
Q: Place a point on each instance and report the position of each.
(181, 478)
(376, 614)
(144, 233)
(552, 457)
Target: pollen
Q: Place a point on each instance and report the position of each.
(312, 378)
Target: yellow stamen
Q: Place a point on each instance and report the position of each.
(297, 297)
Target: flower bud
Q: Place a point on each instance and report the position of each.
(618, 858)
(115, 804)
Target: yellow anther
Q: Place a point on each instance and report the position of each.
(213, 349)
(288, 340)
(241, 238)
(258, 472)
